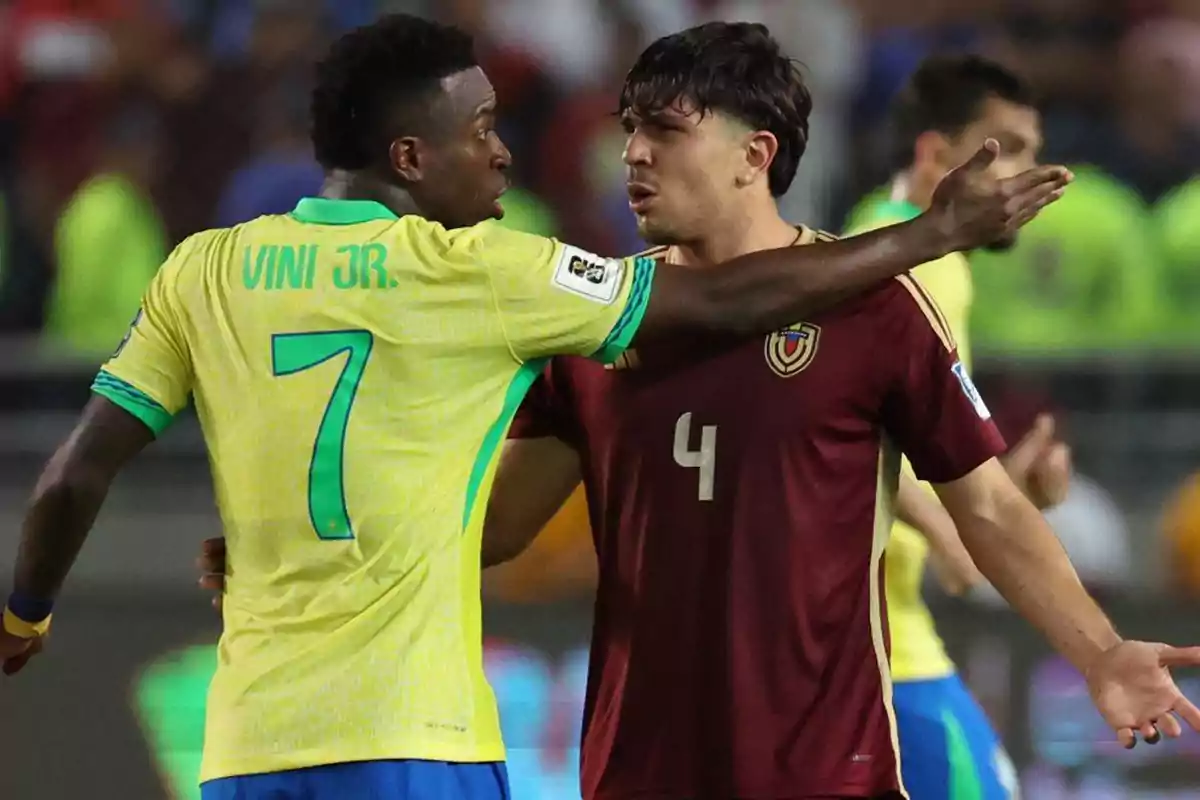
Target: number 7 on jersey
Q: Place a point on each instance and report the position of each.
(296, 352)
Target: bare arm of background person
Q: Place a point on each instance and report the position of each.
(1037, 453)
(956, 573)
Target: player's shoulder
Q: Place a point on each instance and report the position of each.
(192, 253)
(489, 242)
(905, 302)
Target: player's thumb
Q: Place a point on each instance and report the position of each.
(1169, 656)
(1025, 452)
(983, 157)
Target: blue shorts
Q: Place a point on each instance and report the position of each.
(368, 780)
(948, 750)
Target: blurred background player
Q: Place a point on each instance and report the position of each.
(949, 107)
(364, 556)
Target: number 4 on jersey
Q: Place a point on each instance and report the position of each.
(704, 459)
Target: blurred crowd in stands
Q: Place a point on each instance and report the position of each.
(126, 125)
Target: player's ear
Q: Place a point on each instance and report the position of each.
(931, 147)
(760, 150)
(405, 157)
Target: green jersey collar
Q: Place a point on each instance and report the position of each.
(324, 211)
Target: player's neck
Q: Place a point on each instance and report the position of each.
(748, 232)
(344, 185)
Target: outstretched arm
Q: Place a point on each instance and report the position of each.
(1017, 551)
(770, 289)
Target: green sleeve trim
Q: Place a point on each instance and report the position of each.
(517, 389)
(134, 400)
(626, 326)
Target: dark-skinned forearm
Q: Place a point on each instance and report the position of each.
(770, 289)
(60, 515)
(69, 494)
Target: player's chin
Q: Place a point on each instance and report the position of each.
(653, 234)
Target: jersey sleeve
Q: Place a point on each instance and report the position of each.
(556, 299)
(150, 374)
(932, 409)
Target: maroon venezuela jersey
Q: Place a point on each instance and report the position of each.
(740, 502)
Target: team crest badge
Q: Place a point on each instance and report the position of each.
(792, 349)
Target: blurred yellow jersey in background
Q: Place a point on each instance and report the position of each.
(917, 651)
(355, 375)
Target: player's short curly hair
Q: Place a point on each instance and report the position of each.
(735, 68)
(376, 77)
(946, 94)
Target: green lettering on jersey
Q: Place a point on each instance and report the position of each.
(295, 269)
(374, 259)
(345, 276)
(292, 353)
(264, 259)
(365, 261)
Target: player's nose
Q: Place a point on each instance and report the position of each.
(501, 155)
(637, 150)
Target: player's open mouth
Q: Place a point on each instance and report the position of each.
(497, 206)
(640, 197)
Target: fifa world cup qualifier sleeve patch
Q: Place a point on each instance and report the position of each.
(588, 275)
(968, 387)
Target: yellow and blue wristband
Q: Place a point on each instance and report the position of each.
(27, 617)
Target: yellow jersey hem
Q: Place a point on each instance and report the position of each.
(303, 759)
(932, 674)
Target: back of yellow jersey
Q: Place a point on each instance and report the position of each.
(355, 375)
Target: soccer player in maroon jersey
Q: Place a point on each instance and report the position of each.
(740, 491)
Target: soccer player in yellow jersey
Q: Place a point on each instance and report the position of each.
(355, 365)
(948, 748)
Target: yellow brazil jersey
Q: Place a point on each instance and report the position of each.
(917, 650)
(354, 375)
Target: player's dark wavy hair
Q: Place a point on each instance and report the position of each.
(946, 94)
(377, 77)
(734, 68)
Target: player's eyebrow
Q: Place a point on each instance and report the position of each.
(488, 106)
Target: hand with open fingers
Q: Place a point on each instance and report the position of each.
(971, 209)
(211, 564)
(1132, 687)
(16, 651)
(1040, 464)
